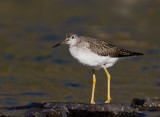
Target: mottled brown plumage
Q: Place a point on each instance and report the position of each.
(104, 49)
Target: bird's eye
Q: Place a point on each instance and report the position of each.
(72, 37)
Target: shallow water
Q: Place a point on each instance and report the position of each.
(32, 71)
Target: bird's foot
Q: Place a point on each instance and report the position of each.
(92, 102)
(108, 100)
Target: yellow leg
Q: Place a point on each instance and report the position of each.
(109, 78)
(93, 88)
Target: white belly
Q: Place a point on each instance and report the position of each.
(87, 57)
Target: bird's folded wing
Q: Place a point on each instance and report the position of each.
(104, 49)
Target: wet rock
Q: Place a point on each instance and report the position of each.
(39, 112)
(72, 109)
(146, 103)
(69, 109)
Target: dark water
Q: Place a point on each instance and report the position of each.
(31, 71)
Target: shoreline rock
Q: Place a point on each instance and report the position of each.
(74, 109)
(146, 103)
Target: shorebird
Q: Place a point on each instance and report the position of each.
(96, 54)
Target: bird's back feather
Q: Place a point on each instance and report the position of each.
(104, 49)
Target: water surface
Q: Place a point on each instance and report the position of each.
(32, 71)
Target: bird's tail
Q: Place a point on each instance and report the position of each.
(136, 54)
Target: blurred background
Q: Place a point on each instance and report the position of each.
(32, 71)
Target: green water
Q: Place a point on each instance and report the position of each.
(32, 71)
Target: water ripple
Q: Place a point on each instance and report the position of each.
(41, 58)
(60, 61)
(50, 38)
(37, 29)
(74, 85)
(9, 57)
(32, 94)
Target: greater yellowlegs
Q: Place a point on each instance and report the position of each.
(96, 54)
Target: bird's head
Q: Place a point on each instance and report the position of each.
(71, 39)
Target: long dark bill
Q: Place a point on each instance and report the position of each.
(57, 45)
